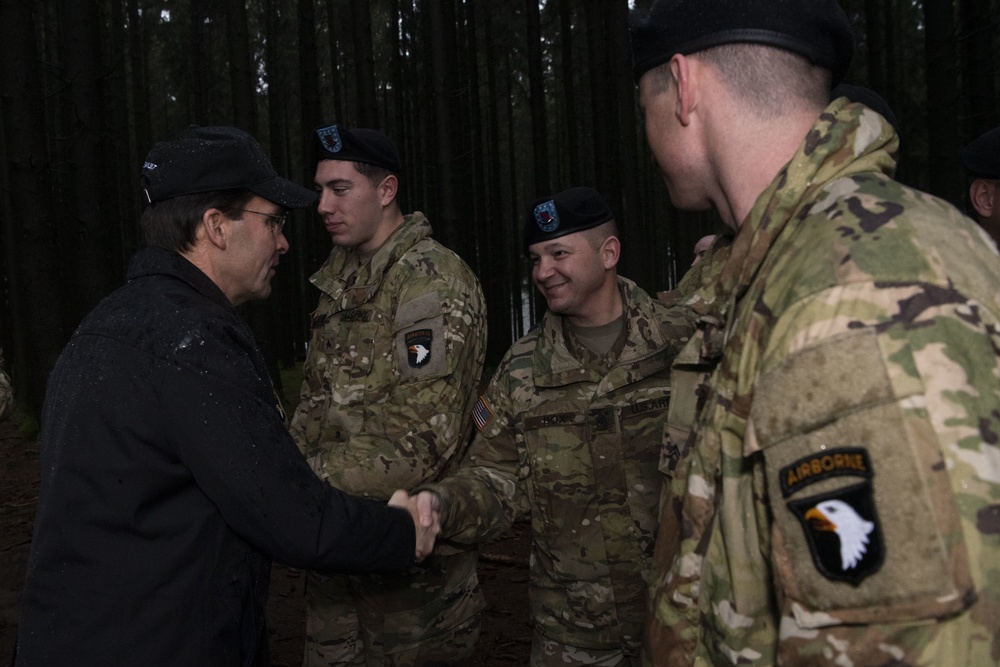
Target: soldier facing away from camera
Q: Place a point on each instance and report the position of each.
(832, 460)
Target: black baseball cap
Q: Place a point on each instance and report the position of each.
(567, 212)
(336, 142)
(208, 159)
(818, 30)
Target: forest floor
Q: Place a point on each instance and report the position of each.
(503, 572)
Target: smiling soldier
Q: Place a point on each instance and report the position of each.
(569, 433)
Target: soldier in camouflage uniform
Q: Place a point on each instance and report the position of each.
(981, 160)
(569, 433)
(397, 349)
(834, 476)
(6, 391)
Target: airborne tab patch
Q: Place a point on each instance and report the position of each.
(823, 465)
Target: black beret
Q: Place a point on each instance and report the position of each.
(336, 142)
(207, 159)
(816, 29)
(568, 212)
(981, 158)
(867, 97)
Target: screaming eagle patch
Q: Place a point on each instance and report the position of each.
(418, 347)
(841, 526)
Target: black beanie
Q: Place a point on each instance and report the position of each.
(570, 211)
(815, 29)
(336, 142)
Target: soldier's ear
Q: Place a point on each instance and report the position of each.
(983, 194)
(388, 189)
(611, 251)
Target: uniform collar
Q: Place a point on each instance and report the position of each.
(360, 281)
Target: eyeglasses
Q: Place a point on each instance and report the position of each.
(276, 221)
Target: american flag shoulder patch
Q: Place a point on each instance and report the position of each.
(482, 414)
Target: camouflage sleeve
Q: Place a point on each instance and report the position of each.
(6, 391)
(876, 413)
(416, 408)
(483, 499)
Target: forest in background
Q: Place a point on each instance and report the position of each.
(491, 104)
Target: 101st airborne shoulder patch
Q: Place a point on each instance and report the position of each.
(418, 347)
(841, 526)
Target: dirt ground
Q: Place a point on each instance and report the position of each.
(506, 634)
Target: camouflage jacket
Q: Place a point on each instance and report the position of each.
(832, 445)
(573, 441)
(393, 365)
(6, 391)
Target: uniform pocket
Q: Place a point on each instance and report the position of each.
(865, 526)
(565, 513)
(420, 346)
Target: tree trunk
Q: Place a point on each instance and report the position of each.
(364, 64)
(139, 56)
(537, 101)
(39, 330)
(450, 153)
(339, 26)
(640, 257)
(570, 99)
(979, 50)
(120, 153)
(604, 103)
(875, 37)
(95, 253)
(942, 100)
(241, 71)
(200, 63)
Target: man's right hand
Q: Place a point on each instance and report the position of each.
(425, 509)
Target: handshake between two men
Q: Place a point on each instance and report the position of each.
(425, 509)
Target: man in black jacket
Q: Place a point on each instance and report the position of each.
(169, 480)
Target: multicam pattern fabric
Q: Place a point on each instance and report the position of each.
(6, 391)
(394, 361)
(832, 449)
(371, 620)
(573, 441)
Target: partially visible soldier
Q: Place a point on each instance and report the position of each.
(869, 98)
(981, 159)
(569, 433)
(832, 450)
(701, 247)
(6, 390)
(396, 354)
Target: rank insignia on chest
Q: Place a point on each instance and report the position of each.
(418, 347)
(841, 526)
